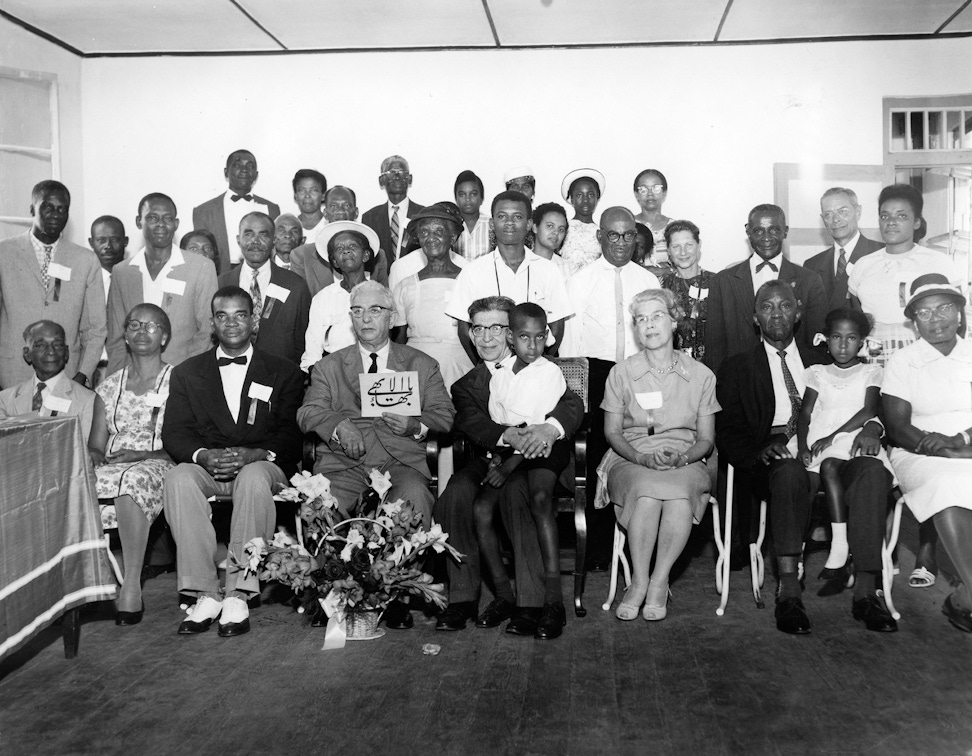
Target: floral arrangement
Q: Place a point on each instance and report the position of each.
(349, 564)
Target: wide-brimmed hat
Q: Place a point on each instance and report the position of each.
(516, 172)
(928, 285)
(447, 211)
(333, 229)
(594, 175)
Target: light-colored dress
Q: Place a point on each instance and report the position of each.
(134, 422)
(421, 306)
(939, 389)
(840, 396)
(677, 400)
(581, 245)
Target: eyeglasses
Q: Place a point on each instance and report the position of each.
(134, 326)
(374, 311)
(650, 189)
(398, 174)
(614, 237)
(656, 318)
(495, 330)
(841, 212)
(943, 311)
(239, 317)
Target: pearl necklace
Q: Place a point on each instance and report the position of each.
(665, 371)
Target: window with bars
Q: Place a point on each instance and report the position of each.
(930, 129)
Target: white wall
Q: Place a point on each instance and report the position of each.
(715, 120)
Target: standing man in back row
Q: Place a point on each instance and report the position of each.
(223, 213)
(390, 218)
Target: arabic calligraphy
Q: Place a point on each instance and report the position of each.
(391, 391)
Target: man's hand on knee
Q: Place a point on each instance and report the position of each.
(774, 450)
(222, 464)
(350, 438)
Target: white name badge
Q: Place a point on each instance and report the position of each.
(173, 286)
(277, 292)
(57, 404)
(155, 399)
(849, 268)
(390, 392)
(649, 400)
(56, 270)
(260, 392)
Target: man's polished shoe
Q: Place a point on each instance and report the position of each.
(496, 613)
(397, 616)
(959, 617)
(456, 615)
(524, 620)
(874, 614)
(791, 617)
(201, 615)
(552, 621)
(130, 618)
(235, 619)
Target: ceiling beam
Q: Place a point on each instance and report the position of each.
(257, 24)
(492, 26)
(722, 21)
(41, 33)
(949, 20)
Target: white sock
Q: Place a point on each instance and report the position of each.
(838, 546)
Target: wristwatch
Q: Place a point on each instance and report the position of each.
(965, 437)
(271, 456)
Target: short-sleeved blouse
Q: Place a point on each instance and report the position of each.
(581, 245)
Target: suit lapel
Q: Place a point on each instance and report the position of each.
(210, 385)
(829, 279)
(29, 258)
(352, 368)
(258, 373)
(742, 288)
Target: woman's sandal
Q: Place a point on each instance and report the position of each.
(655, 613)
(921, 577)
(627, 612)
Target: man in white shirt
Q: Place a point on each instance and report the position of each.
(601, 330)
(390, 218)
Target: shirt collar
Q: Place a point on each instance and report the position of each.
(528, 257)
(640, 367)
(248, 354)
(755, 260)
(927, 354)
(175, 258)
(849, 247)
(39, 245)
(366, 352)
(50, 383)
(791, 350)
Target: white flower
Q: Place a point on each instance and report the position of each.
(355, 540)
(402, 550)
(380, 481)
(282, 539)
(254, 550)
(392, 508)
(312, 486)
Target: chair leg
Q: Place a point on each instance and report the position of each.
(723, 547)
(617, 555)
(756, 565)
(580, 573)
(887, 558)
(71, 629)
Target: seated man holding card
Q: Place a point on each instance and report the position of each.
(230, 424)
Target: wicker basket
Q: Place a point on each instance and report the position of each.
(363, 624)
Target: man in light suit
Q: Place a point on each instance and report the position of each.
(230, 425)
(730, 329)
(222, 214)
(44, 276)
(50, 392)
(281, 300)
(841, 214)
(395, 179)
(160, 273)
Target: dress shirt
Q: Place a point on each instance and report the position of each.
(366, 353)
(233, 212)
(329, 325)
(766, 274)
(474, 244)
(848, 249)
(412, 263)
(263, 279)
(525, 397)
(39, 252)
(106, 282)
(279, 262)
(152, 289)
(783, 410)
(492, 367)
(402, 223)
(592, 332)
(49, 386)
(233, 377)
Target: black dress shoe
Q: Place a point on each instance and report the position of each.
(456, 615)
(552, 621)
(874, 614)
(524, 620)
(838, 578)
(496, 613)
(130, 618)
(398, 617)
(791, 617)
(960, 618)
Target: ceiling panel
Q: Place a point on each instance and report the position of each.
(337, 24)
(141, 26)
(585, 22)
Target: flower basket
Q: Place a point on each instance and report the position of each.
(363, 624)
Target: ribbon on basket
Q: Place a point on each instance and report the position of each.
(336, 633)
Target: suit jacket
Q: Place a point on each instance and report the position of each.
(745, 392)
(190, 313)
(334, 396)
(17, 400)
(197, 417)
(210, 215)
(283, 324)
(730, 328)
(377, 218)
(79, 307)
(471, 397)
(823, 265)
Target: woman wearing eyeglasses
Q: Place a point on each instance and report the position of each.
(650, 191)
(133, 461)
(689, 283)
(659, 418)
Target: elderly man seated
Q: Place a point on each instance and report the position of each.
(351, 445)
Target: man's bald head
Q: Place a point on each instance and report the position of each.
(616, 213)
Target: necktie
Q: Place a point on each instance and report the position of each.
(257, 304)
(38, 401)
(224, 361)
(795, 399)
(394, 232)
(374, 362)
(238, 197)
(841, 265)
(48, 251)
(618, 318)
(764, 264)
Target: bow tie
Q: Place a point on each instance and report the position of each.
(238, 197)
(224, 361)
(764, 264)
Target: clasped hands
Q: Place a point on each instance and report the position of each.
(352, 442)
(663, 458)
(532, 441)
(225, 464)
(940, 445)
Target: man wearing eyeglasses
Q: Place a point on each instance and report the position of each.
(390, 218)
(840, 213)
(601, 331)
(160, 274)
(230, 425)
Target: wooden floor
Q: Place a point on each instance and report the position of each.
(693, 684)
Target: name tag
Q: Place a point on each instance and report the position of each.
(260, 392)
(649, 400)
(173, 286)
(277, 292)
(849, 269)
(155, 399)
(56, 270)
(57, 404)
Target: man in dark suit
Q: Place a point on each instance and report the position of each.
(222, 214)
(281, 300)
(761, 392)
(454, 509)
(231, 427)
(840, 213)
(393, 216)
(729, 329)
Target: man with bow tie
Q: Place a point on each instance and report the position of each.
(223, 213)
(231, 425)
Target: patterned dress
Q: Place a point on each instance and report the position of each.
(691, 294)
(581, 245)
